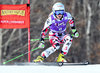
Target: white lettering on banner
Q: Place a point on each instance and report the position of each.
(5, 21)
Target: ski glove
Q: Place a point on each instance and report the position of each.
(41, 45)
(75, 33)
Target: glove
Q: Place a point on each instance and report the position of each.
(75, 33)
(41, 45)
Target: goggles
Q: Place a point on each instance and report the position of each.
(59, 12)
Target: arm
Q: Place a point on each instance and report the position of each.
(45, 28)
(44, 32)
(72, 24)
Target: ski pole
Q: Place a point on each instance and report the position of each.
(38, 39)
(19, 56)
(45, 38)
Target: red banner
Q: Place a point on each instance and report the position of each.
(14, 16)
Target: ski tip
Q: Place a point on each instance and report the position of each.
(86, 63)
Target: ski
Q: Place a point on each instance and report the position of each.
(53, 63)
(66, 63)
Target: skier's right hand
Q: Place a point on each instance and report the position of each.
(41, 45)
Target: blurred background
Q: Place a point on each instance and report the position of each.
(13, 42)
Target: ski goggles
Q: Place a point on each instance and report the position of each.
(59, 12)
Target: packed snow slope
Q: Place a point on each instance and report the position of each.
(95, 68)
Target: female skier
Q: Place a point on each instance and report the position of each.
(56, 22)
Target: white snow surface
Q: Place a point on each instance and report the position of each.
(95, 68)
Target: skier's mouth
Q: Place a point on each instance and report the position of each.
(59, 16)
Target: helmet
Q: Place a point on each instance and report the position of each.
(58, 7)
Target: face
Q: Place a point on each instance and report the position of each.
(59, 16)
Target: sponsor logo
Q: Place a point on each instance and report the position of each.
(13, 12)
(60, 6)
(59, 24)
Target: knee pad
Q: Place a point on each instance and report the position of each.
(66, 47)
(67, 44)
(56, 46)
(48, 52)
(67, 38)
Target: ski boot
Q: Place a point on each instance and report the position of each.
(61, 58)
(38, 59)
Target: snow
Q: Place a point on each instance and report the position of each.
(95, 68)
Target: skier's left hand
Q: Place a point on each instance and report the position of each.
(76, 35)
